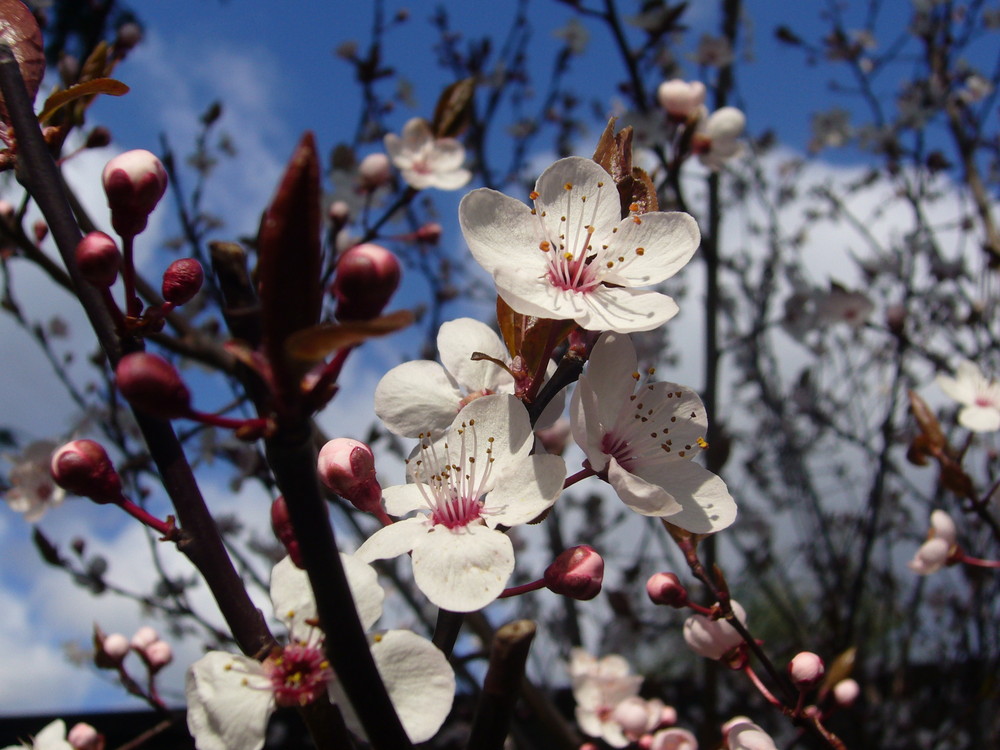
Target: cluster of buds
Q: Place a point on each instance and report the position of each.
(110, 650)
(134, 182)
(715, 137)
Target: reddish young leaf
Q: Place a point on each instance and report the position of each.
(19, 31)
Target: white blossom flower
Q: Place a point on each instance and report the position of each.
(479, 477)
(716, 140)
(714, 638)
(673, 739)
(33, 490)
(230, 697)
(979, 396)
(52, 737)
(599, 686)
(426, 161)
(934, 553)
(572, 257)
(742, 734)
(642, 439)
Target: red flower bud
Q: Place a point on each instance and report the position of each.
(348, 468)
(374, 171)
(98, 259)
(367, 277)
(281, 524)
(83, 468)
(40, 230)
(667, 589)
(182, 280)
(134, 183)
(152, 385)
(578, 573)
(99, 137)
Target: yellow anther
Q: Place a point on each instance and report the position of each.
(702, 442)
(544, 246)
(533, 195)
(568, 186)
(640, 250)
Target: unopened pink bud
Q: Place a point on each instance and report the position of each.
(152, 385)
(674, 739)
(85, 737)
(846, 692)
(668, 716)
(7, 211)
(339, 212)
(713, 638)
(740, 733)
(374, 171)
(98, 258)
(182, 280)
(681, 99)
(129, 35)
(367, 277)
(281, 524)
(40, 230)
(578, 573)
(115, 647)
(143, 637)
(667, 589)
(348, 468)
(430, 232)
(645, 742)
(158, 654)
(632, 715)
(134, 183)
(83, 468)
(554, 439)
(806, 669)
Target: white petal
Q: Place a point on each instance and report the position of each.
(625, 310)
(51, 737)
(417, 133)
(602, 208)
(368, 595)
(402, 499)
(292, 596)
(610, 372)
(223, 711)
(706, 505)
(980, 418)
(416, 397)
(446, 155)
(668, 240)
(500, 231)
(960, 389)
(452, 180)
(458, 339)
(502, 417)
(525, 492)
(419, 679)
(585, 423)
(641, 496)
(462, 570)
(527, 289)
(393, 540)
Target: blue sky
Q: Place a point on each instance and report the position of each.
(272, 65)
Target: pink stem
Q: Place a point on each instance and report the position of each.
(748, 670)
(165, 528)
(585, 472)
(523, 588)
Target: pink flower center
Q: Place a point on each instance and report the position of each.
(298, 675)
(454, 483)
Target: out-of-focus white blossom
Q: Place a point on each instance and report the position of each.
(426, 161)
(979, 396)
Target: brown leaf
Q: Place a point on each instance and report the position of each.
(840, 669)
(934, 438)
(453, 111)
(315, 343)
(531, 338)
(59, 99)
(19, 31)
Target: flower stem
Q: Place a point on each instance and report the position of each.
(585, 472)
(524, 588)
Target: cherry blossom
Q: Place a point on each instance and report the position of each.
(52, 737)
(713, 638)
(641, 439)
(480, 476)
(979, 396)
(742, 734)
(426, 161)
(230, 697)
(717, 139)
(935, 552)
(572, 256)
(599, 686)
(33, 491)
